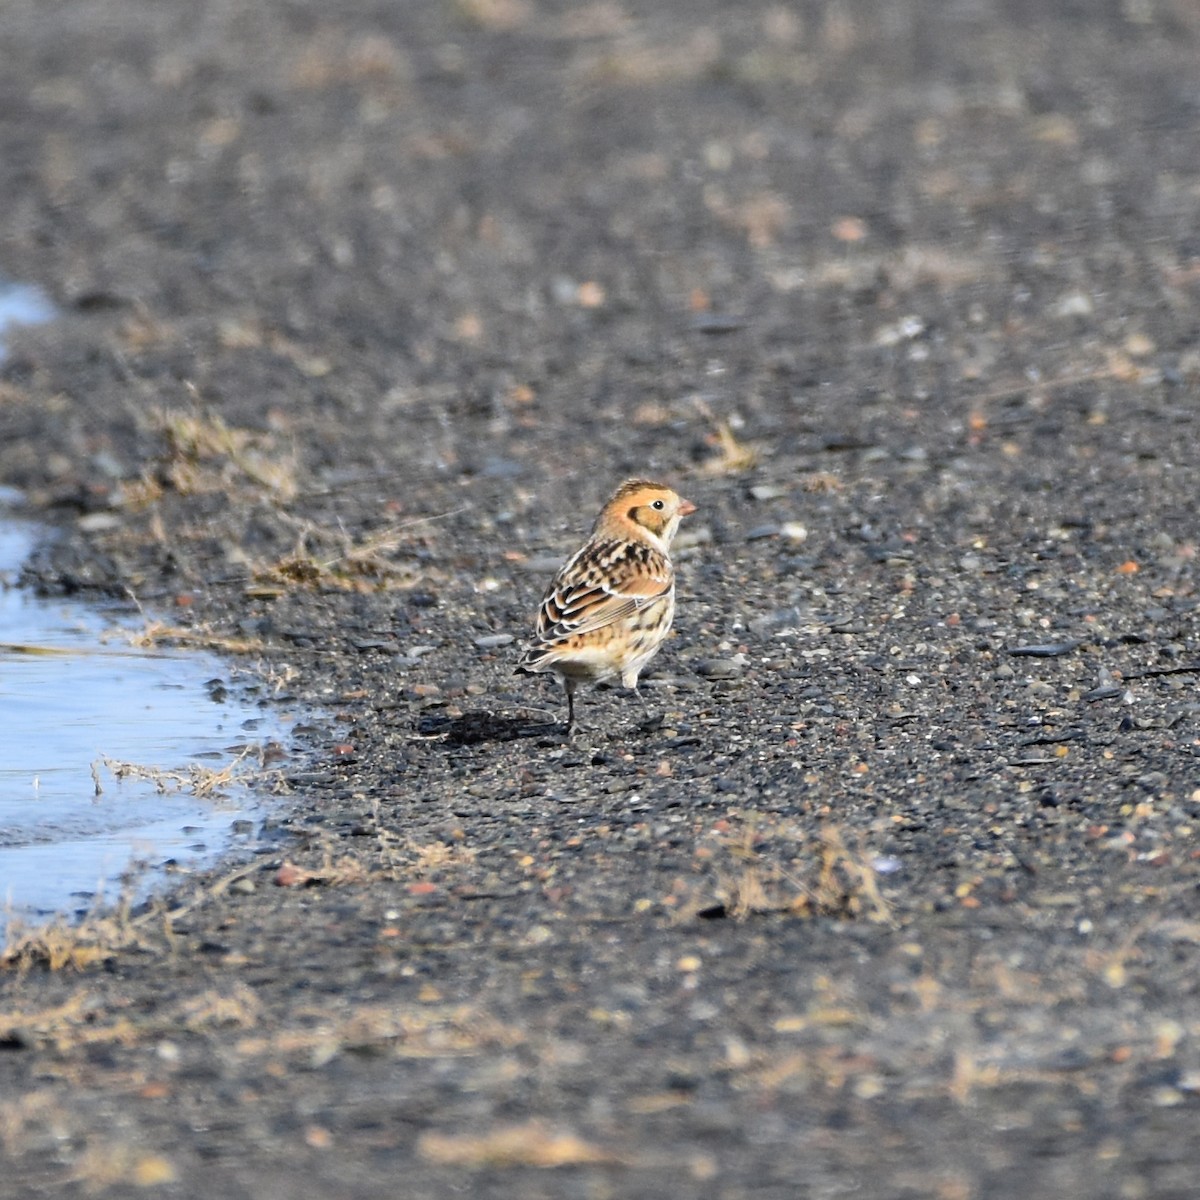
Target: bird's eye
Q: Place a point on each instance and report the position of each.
(659, 505)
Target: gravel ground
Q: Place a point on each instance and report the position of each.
(893, 891)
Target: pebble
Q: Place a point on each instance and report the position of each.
(781, 618)
(767, 491)
(722, 668)
(1048, 650)
(493, 640)
(98, 522)
(1074, 304)
(691, 536)
(904, 330)
(759, 532)
(496, 467)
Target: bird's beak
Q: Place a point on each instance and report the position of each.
(686, 508)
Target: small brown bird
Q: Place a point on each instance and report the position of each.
(612, 603)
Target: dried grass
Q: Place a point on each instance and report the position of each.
(533, 1144)
(732, 456)
(204, 454)
(328, 556)
(827, 879)
(62, 945)
(194, 780)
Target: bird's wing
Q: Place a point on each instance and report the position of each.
(605, 582)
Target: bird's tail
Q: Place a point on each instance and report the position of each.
(531, 661)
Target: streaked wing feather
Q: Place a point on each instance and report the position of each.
(601, 585)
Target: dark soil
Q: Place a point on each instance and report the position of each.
(366, 308)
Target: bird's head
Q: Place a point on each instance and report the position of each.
(640, 507)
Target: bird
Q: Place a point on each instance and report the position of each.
(609, 608)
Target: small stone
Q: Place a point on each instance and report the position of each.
(781, 618)
(1048, 650)
(767, 491)
(1074, 304)
(98, 522)
(721, 668)
(759, 532)
(904, 330)
(493, 641)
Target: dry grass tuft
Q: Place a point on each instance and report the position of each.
(104, 1166)
(331, 557)
(385, 855)
(732, 456)
(62, 946)
(846, 882)
(331, 872)
(500, 15)
(430, 857)
(39, 1025)
(158, 633)
(825, 880)
(237, 1008)
(821, 482)
(533, 1144)
(204, 454)
(246, 768)
(425, 1031)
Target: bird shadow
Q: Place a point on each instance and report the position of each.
(481, 726)
(475, 728)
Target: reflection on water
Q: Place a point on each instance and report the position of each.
(74, 692)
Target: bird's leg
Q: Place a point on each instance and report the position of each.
(569, 684)
(653, 720)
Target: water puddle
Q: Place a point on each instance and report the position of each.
(77, 699)
(22, 304)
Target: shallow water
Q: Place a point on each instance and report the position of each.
(74, 691)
